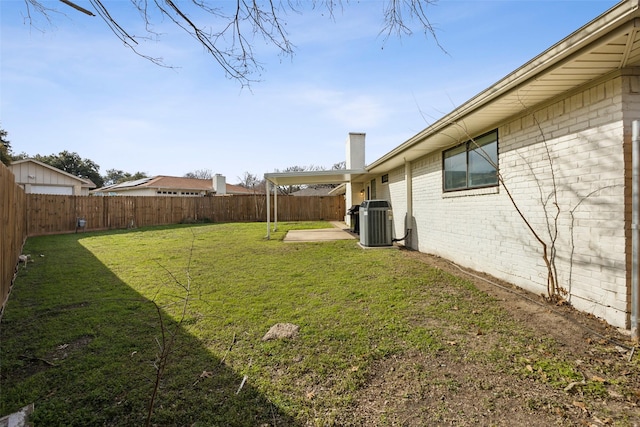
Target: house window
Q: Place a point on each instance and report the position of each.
(385, 178)
(472, 164)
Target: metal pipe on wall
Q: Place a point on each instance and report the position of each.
(408, 176)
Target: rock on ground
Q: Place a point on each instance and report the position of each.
(281, 330)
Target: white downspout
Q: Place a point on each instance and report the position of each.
(635, 228)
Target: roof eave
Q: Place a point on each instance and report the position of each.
(608, 25)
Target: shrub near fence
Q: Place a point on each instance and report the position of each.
(49, 214)
(13, 229)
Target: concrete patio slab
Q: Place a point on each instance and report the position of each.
(318, 235)
(338, 232)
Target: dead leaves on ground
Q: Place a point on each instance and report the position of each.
(205, 374)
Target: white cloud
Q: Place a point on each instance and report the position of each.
(344, 109)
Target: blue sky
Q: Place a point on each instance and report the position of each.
(72, 85)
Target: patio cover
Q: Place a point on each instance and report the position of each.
(335, 176)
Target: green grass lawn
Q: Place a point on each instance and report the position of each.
(82, 334)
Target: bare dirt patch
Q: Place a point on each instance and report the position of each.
(463, 388)
(32, 364)
(62, 351)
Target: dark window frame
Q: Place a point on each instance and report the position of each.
(466, 148)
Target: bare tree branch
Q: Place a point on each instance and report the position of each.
(231, 34)
(169, 335)
(395, 23)
(549, 260)
(78, 8)
(40, 9)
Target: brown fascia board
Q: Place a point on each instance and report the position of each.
(608, 25)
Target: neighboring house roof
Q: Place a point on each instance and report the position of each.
(171, 183)
(85, 183)
(238, 189)
(605, 45)
(178, 183)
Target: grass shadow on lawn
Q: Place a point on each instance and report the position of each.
(56, 338)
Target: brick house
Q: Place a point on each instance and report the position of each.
(565, 116)
(555, 132)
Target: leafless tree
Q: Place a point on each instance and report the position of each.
(169, 333)
(228, 31)
(258, 187)
(199, 174)
(546, 235)
(339, 166)
(548, 247)
(250, 181)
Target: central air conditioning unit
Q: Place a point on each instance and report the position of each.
(375, 223)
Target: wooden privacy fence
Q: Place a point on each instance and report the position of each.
(50, 214)
(13, 229)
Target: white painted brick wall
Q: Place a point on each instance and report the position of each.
(481, 229)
